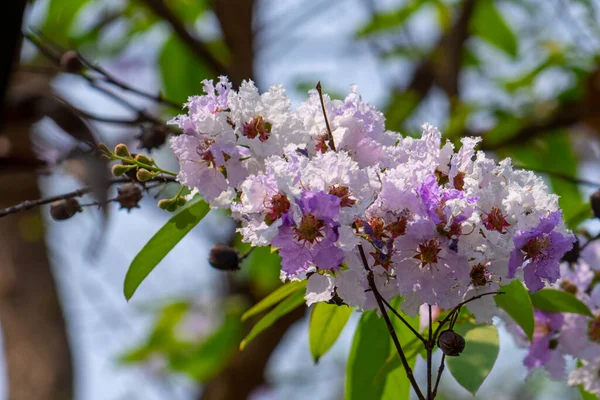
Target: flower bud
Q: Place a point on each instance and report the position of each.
(70, 62)
(120, 169)
(451, 343)
(122, 151)
(129, 196)
(595, 203)
(103, 149)
(152, 137)
(144, 159)
(224, 257)
(144, 175)
(64, 209)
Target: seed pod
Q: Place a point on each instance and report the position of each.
(595, 203)
(64, 209)
(129, 196)
(152, 137)
(224, 257)
(451, 343)
(143, 175)
(144, 159)
(70, 62)
(120, 169)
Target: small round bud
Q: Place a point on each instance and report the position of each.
(165, 204)
(595, 203)
(120, 169)
(70, 62)
(451, 343)
(122, 151)
(144, 175)
(224, 257)
(181, 201)
(144, 159)
(64, 209)
(102, 148)
(129, 196)
(152, 137)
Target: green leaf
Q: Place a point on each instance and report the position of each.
(162, 243)
(278, 295)
(586, 395)
(517, 303)
(326, 324)
(370, 349)
(180, 70)
(391, 19)
(283, 308)
(558, 301)
(60, 18)
(489, 25)
(477, 360)
(264, 267)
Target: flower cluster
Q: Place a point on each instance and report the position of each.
(557, 335)
(327, 184)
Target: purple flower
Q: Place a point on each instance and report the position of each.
(540, 249)
(311, 240)
(544, 344)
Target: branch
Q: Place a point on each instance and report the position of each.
(199, 49)
(29, 204)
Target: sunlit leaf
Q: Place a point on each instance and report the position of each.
(162, 243)
(559, 301)
(283, 308)
(477, 360)
(277, 296)
(517, 304)
(264, 267)
(60, 18)
(390, 19)
(326, 324)
(489, 25)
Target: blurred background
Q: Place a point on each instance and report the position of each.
(523, 74)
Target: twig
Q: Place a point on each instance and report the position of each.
(429, 349)
(29, 204)
(439, 376)
(329, 133)
(390, 327)
(401, 318)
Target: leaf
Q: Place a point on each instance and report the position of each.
(489, 25)
(283, 308)
(391, 19)
(181, 71)
(278, 295)
(162, 243)
(477, 360)
(517, 303)
(558, 301)
(60, 18)
(586, 395)
(369, 350)
(263, 268)
(326, 324)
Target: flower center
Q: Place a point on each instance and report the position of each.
(321, 145)
(536, 248)
(428, 252)
(479, 275)
(594, 330)
(378, 226)
(310, 228)
(257, 127)
(279, 206)
(204, 153)
(343, 193)
(494, 220)
(397, 228)
(459, 181)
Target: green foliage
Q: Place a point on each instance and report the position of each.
(559, 301)
(517, 303)
(162, 243)
(60, 18)
(263, 269)
(326, 324)
(181, 71)
(277, 296)
(285, 307)
(585, 395)
(489, 25)
(385, 21)
(477, 360)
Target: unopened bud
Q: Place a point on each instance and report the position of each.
(120, 169)
(122, 151)
(595, 203)
(152, 137)
(451, 343)
(144, 159)
(144, 175)
(129, 196)
(64, 209)
(224, 257)
(70, 62)
(102, 148)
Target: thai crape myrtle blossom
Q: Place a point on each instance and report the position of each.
(437, 226)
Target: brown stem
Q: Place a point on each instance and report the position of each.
(329, 133)
(429, 349)
(401, 318)
(439, 376)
